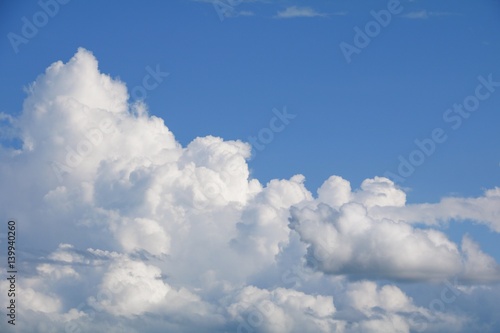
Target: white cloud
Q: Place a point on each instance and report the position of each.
(424, 14)
(143, 234)
(131, 288)
(296, 11)
(478, 265)
(484, 210)
(388, 309)
(130, 231)
(350, 242)
(282, 310)
(360, 233)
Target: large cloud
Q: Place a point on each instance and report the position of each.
(124, 229)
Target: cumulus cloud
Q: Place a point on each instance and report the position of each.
(359, 234)
(136, 287)
(282, 310)
(125, 229)
(351, 242)
(388, 309)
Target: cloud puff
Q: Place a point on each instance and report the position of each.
(389, 309)
(124, 229)
(281, 310)
(346, 238)
(134, 287)
(296, 11)
(350, 242)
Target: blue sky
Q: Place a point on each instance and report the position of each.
(353, 117)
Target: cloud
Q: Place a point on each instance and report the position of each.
(350, 242)
(125, 229)
(388, 309)
(281, 310)
(133, 287)
(483, 210)
(345, 237)
(478, 265)
(296, 11)
(424, 14)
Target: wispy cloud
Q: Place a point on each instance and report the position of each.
(424, 14)
(246, 13)
(296, 11)
(235, 13)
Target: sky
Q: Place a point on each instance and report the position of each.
(251, 165)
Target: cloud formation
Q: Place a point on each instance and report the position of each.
(124, 229)
(296, 11)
